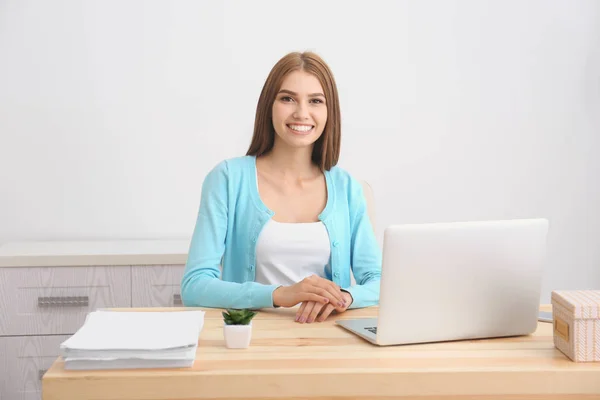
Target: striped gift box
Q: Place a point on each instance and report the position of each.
(576, 315)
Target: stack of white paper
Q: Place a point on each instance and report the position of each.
(122, 339)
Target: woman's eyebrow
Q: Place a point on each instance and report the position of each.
(296, 94)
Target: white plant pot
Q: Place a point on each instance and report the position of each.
(237, 336)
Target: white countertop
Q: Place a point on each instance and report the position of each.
(99, 253)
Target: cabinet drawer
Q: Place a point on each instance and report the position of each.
(56, 300)
(156, 286)
(23, 362)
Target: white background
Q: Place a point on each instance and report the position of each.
(112, 112)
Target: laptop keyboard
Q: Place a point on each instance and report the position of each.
(372, 329)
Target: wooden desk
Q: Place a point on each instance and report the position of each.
(288, 360)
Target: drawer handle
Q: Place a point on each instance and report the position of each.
(177, 300)
(41, 373)
(68, 301)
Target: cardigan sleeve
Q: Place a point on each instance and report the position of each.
(365, 254)
(201, 285)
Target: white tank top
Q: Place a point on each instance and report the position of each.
(286, 253)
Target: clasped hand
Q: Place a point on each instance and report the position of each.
(319, 298)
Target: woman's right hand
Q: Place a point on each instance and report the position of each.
(312, 288)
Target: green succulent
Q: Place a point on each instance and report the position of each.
(238, 317)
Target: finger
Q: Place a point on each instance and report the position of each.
(313, 285)
(309, 288)
(348, 300)
(300, 310)
(340, 301)
(329, 283)
(309, 296)
(307, 310)
(322, 282)
(334, 298)
(328, 309)
(332, 287)
(315, 312)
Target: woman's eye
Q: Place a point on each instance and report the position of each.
(287, 99)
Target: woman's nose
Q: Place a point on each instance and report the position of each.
(301, 111)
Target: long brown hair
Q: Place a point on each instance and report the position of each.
(326, 150)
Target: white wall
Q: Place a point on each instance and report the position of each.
(111, 112)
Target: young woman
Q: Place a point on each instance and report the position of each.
(283, 225)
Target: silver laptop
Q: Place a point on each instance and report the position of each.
(455, 281)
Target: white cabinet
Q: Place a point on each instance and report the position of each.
(55, 300)
(23, 361)
(156, 286)
(48, 288)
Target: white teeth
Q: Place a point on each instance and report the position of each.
(300, 128)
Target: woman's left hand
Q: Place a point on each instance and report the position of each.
(311, 311)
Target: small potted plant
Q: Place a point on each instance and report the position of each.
(237, 328)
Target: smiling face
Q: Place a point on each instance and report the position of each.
(299, 110)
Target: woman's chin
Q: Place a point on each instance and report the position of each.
(299, 141)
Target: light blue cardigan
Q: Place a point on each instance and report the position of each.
(231, 217)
